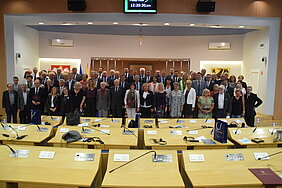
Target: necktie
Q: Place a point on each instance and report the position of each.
(36, 91)
(116, 89)
(123, 85)
(176, 79)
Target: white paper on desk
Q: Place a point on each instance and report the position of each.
(280, 176)
(261, 155)
(64, 130)
(82, 125)
(193, 121)
(98, 120)
(193, 132)
(105, 131)
(272, 131)
(46, 154)
(239, 121)
(121, 157)
(200, 138)
(245, 141)
(42, 123)
(176, 132)
(196, 157)
(209, 121)
(259, 131)
(152, 132)
(104, 126)
(237, 131)
(163, 121)
(21, 128)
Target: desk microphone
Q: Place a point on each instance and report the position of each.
(83, 130)
(202, 127)
(206, 120)
(254, 129)
(12, 150)
(269, 155)
(155, 155)
(38, 128)
(125, 128)
(18, 137)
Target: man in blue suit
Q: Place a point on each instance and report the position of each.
(199, 85)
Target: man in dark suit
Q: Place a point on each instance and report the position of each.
(37, 97)
(199, 85)
(61, 86)
(17, 86)
(24, 101)
(52, 77)
(126, 74)
(10, 103)
(222, 103)
(209, 82)
(162, 78)
(59, 74)
(35, 74)
(252, 101)
(123, 84)
(76, 76)
(142, 75)
(102, 78)
(137, 83)
(176, 77)
(171, 74)
(43, 77)
(69, 81)
(117, 99)
(148, 78)
(111, 78)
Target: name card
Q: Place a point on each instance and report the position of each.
(245, 141)
(201, 138)
(21, 128)
(20, 153)
(104, 126)
(64, 130)
(105, 131)
(84, 156)
(177, 132)
(234, 157)
(152, 132)
(121, 157)
(46, 154)
(196, 157)
(261, 155)
(162, 158)
(82, 125)
(193, 132)
(237, 131)
(163, 121)
(193, 121)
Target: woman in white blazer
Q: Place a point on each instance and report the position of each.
(190, 100)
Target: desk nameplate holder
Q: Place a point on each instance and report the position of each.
(127, 132)
(162, 158)
(20, 153)
(42, 129)
(84, 156)
(234, 157)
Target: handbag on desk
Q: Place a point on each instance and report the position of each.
(73, 118)
(220, 131)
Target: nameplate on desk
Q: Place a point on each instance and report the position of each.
(20, 153)
(234, 157)
(121, 157)
(85, 120)
(84, 156)
(98, 120)
(152, 132)
(259, 131)
(201, 138)
(42, 129)
(193, 121)
(148, 121)
(272, 131)
(88, 131)
(55, 119)
(104, 126)
(46, 154)
(237, 131)
(239, 121)
(193, 132)
(196, 157)
(245, 141)
(176, 132)
(128, 132)
(263, 156)
(64, 130)
(179, 121)
(21, 128)
(163, 121)
(209, 121)
(105, 131)
(162, 158)
(179, 126)
(82, 125)
(115, 121)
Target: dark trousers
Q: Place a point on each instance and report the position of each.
(11, 112)
(250, 120)
(25, 115)
(90, 110)
(146, 112)
(220, 113)
(117, 111)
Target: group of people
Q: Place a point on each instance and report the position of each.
(178, 94)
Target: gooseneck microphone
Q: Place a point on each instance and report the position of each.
(12, 150)
(83, 130)
(202, 127)
(269, 155)
(18, 137)
(124, 130)
(155, 155)
(38, 128)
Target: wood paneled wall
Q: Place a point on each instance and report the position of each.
(252, 8)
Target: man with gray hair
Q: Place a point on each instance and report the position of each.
(222, 103)
(24, 105)
(10, 103)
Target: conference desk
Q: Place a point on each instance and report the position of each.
(104, 122)
(269, 123)
(144, 122)
(35, 135)
(211, 168)
(116, 140)
(243, 136)
(53, 120)
(143, 172)
(174, 139)
(69, 168)
(263, 117)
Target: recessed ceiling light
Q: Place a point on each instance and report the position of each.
(66, 23)
(115, 23)
(241, 26)
(192, 24)
(166, 23)
(222, 44)
(90, 23)
(58, 40)
(41, 23)
(215, 26)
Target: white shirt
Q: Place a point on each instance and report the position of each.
(220, 100)
(145, 94)
(191, 98)
(52, 102)
(25, 98)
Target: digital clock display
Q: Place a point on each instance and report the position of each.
(140, 6)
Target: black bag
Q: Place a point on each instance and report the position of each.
(73, 118)
(35, 117)
(131, 124)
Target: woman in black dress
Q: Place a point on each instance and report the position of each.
(160, 101)
(238, 105)
(66, 102)
(78, 97)
(91, 94)
(53, 102)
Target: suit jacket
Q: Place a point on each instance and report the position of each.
(251, 102)
(174, 79)
(100, 80)
(227, 106)
(126, 86)
(37, 98)
(21, 101)
(161, 79)
(149, 99)
(117, 98)
(140, 86)
(18, 88)
(110, 80)
(210, 86)
(103, 102)
(6, 100)
(66, 104)
(72, 82)
(142, 78)
(77, 77)
(58, 77)
(56, 102)
(199, 91)
(148, 79)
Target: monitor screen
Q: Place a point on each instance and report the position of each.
(140, 6)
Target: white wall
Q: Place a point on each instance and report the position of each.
(26, 42)
(90, 45)
(252, 55)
